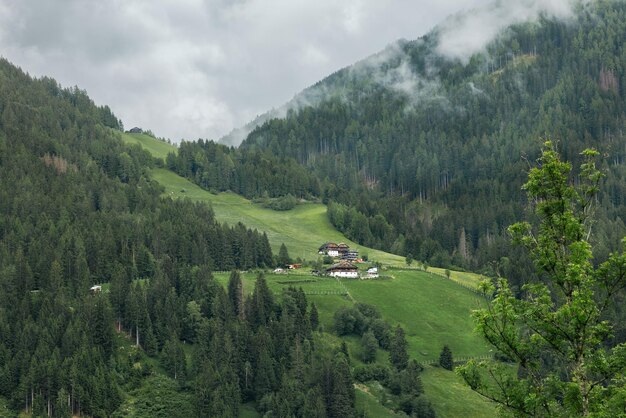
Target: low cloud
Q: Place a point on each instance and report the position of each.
(467, 33)
(198, 68)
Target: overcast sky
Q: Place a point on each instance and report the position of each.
(199, 68)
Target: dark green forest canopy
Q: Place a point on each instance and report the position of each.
(78, 208)
(444, 164)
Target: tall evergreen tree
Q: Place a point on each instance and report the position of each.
(445, 358)
(283, 256)
(235, 294)
(369, 344)
(398, 355)
(314, 317)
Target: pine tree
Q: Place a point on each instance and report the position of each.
(369, 344)
(314, 317)
(235, 294)
(445, 358)
(398, 354)
(283, 256)
(173, 358)
(341, 402)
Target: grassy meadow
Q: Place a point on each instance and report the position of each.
(302, 229)
(157, 148)
(433, 310)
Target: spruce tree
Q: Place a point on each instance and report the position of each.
(369, 344)
(235, 293)
(398, 354)
(445, 358)
(314, 317)
(283, 256)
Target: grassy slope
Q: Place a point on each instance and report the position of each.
(453, 398)
(434, 311)
(302, 229)
(158, 149)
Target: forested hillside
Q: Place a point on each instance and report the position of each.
(78, 209)
(425, 155)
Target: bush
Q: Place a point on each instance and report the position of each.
(369, 372)
(349, 321)
(281, 203)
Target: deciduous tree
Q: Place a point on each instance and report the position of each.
(555, 332)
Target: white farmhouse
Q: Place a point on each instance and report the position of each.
(343, 269)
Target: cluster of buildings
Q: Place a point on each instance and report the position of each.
(340, 250)
(345, 266)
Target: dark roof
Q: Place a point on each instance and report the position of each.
(342, 265)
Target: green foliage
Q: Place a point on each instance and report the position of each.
(159, 396)
(369, 344)
(287, 202)
(445, 358)
(173, 359)
(283, 256)
(398, 354)
(314, 317)
(556, 332)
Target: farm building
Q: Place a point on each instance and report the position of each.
(136, 130)
(335, 250)
(372, 273)
(350, 255)
(343, 269)
(95, 289)
(329, 248)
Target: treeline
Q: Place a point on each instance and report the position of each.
(252, 174)
(445, 168)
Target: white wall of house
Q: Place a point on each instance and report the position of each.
(333, 253)
(348, 274)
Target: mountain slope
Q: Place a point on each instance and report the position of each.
(439, 147)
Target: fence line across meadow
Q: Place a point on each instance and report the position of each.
(466, 286)
(460, 360)
(326, 292)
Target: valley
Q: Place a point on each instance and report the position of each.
(433, 309)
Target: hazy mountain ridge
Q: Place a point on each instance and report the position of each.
(432, 130)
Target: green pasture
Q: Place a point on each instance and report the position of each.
(302, 229)
(276, 282)
(369, 404)
(433, 311)
(462, 277)
(157, 148)
(451, 397)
